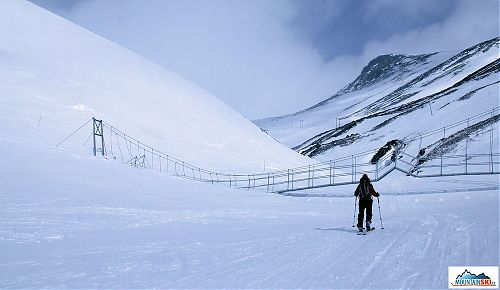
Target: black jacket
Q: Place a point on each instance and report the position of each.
(365, 188)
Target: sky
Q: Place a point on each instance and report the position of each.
(267, 58)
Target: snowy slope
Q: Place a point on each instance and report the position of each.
(69, 222)
(54, 76)
(399, 98)
(381, 76)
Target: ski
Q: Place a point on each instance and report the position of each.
(364, 232)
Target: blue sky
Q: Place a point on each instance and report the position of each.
(268, 58)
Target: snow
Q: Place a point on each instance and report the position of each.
(71, 220)
(287, 130)
(54, 70)
(442, 71)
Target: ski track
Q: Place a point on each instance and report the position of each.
(100, 246)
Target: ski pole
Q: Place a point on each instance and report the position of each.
(379, 214)
(354, 216)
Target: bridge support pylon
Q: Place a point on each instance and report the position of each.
(97, 131)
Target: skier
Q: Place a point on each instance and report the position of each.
(364, 191)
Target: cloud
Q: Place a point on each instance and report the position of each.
(405, 11)
(242, 51)
(470, 22)
(259, 59)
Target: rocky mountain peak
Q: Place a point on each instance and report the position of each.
(384, 67)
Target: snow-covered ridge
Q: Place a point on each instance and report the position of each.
(390, 67)
(460, 64)
(383, 72)
(396, 103)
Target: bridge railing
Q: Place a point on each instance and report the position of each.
(118, 145)
(471, 164)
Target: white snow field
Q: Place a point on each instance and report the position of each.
(71, 220)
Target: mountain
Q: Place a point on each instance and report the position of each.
(397, 98)
(385, 68)
(56, 75)
(468, 275)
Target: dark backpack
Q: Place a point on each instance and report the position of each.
(364, 189)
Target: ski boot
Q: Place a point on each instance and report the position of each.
(368, 226)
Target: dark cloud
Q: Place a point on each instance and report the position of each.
(339, 27)
(470, 22)
(58, 6)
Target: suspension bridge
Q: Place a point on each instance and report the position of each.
(110, 142)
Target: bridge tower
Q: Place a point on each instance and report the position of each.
(97, 132)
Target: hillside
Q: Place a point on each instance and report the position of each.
(56, 75)
(397, 98)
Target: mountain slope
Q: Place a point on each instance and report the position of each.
(56, 75)
(448, 72)
(390, 101)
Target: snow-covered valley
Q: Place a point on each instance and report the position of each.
(82, 222)
(72, 220)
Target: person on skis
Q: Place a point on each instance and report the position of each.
(364, 192)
